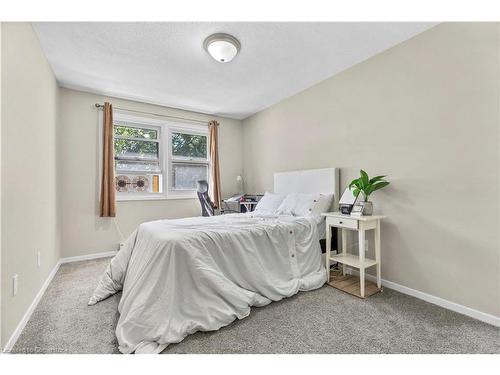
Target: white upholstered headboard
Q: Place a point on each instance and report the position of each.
(323, 181)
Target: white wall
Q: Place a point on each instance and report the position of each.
(83, 232)
(425, 113)
(29, 221)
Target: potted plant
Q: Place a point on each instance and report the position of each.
(366, 186)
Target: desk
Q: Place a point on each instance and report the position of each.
(229, 206)
(360, 224)
(247, 205)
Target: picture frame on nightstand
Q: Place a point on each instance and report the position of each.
(357, 210)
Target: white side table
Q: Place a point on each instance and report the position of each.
(360, 224)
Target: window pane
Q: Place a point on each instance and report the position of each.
(184, 176)
(132, 132)
(189, 145)
(136, 150)
(134, 165)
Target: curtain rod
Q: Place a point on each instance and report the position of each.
(100, 106)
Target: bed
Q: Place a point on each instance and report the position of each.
(200, 274)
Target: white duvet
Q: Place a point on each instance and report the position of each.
(201, 273)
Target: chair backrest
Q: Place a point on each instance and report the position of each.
(207, 207)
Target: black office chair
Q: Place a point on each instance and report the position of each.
(207, 207)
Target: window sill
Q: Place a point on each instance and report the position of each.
(153, 198)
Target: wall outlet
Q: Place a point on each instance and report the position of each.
(14, 285)
(38, 258)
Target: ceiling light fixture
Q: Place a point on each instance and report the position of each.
(222, 47)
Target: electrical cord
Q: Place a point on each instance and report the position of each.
(122, 239)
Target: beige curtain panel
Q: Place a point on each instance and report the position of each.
(215, 191)
(108, 206)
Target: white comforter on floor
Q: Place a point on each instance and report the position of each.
(201, 273)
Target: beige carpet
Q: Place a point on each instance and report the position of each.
(321, 321)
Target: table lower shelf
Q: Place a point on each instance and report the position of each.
(352, 260)
(350, 284)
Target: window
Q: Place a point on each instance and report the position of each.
(158, 159)
(137, 159)
(188, 159)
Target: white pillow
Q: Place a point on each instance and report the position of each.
(304, 204)
(298, 204)
(269, 203)
(286, 206)
(323, 204)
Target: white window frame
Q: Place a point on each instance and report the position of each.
(176, 127)
(165, 128)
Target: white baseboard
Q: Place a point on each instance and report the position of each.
(19, 329)
(461, 309)
(79, 258)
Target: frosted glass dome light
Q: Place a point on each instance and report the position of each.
(222, 47)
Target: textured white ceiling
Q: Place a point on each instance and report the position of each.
(165, 63)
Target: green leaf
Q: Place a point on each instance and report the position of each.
(380, 185)
(369, 190)
(376, 178)
(364, 178)
(356, 192)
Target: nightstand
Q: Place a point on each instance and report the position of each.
(360, 224)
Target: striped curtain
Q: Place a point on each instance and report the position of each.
(215, 191)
